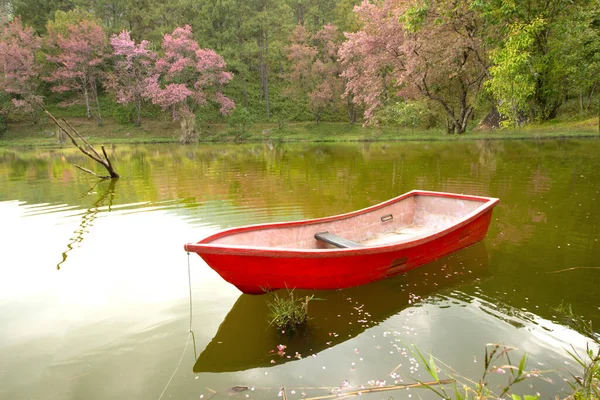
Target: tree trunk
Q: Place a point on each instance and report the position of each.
(589, 101)
(138, 107)
(189, 134)
(351, 110)
(87, 101)
(261, 71)
(449, 126)
(34, 114)
(300, 14)
(464, 119)
(266, 61)
(99, 119)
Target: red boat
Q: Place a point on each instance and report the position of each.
(349, 249)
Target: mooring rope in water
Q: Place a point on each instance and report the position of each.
(190, 289)
(177, 367)
(190, 332)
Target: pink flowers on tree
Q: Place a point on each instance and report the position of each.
(133, 67)
(186, 78)
(315, 72)
(19, 70)
(79, 53)
(431, 53)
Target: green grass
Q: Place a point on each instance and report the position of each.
(288, 313)
(161, 130)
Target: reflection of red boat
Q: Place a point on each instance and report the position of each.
(363, 306)
(348, 249)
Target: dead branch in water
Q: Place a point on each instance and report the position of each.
(383, 389)
(571, 269)
(91, 153)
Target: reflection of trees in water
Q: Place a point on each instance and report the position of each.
(488, 152)
(105, 194)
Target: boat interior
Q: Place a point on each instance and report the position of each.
(405, 220)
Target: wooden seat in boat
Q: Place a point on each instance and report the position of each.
(337, 241)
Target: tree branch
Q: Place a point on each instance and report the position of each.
(91, 172)
(94, 155)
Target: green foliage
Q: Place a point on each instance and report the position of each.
(124, 114)
(64, 19)
(5, 104)
(512, 83)
(240, 119)
(287, 312)
(3, 125)
(414, 17)
(405, 114)
(345, 18)
(37, 13)
(541, 53)
(586, 386)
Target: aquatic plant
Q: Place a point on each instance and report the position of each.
(287, 312)
(586, 386)
(494, 354)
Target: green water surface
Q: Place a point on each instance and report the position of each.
(94, 284)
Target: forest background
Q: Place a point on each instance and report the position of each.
(453, 65)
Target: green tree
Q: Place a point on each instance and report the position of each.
(240, 120)
(536, 45)
(37, 13)
(111, 12)
(270, 25)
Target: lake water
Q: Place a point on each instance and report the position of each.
(94, 280)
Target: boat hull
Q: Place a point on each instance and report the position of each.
(256, 270)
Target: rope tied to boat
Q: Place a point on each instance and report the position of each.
(189, 287)
(190, 332)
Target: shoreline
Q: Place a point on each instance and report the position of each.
(167, 132)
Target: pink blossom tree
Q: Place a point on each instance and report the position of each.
(315, 72)
(79, 52)
(19, 70)
(186, 78)
(431, 51)
(133, 66)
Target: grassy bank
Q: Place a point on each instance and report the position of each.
(160, 131)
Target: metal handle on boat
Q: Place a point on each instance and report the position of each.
(386, 218)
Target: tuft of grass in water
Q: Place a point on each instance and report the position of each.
(586, 386)
(288, 312)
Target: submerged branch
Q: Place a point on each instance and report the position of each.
(571, 269)
(384, 389)
(91, 172)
